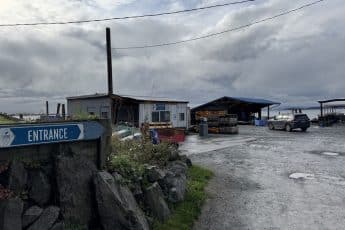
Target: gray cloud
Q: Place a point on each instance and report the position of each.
(296, 59)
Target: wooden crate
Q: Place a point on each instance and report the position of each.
(213, 130)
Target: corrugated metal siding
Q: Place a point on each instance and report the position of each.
(96, 105)
(146, 109)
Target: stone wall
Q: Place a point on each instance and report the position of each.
(41, 185)
(59, 186)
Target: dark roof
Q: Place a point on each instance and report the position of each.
(256, 101)
(331, 100)
(135, 98)
(243, 100)
(153, 99)
(96, 95)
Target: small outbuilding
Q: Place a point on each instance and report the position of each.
(132, 109)
(244, 108)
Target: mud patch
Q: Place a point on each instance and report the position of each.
(302, 176)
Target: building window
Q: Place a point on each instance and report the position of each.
(159, 107)
(105, 112)
(164, 116)
(155, 117)
(181, 116)
(161, 116)
(91, 109)
(104, 115)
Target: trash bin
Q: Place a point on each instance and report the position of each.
(203, 128)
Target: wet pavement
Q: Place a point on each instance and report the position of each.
(273, 179)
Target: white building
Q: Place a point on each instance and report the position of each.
(135, 110)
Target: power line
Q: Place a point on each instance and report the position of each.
(222, 32)
(125, 17)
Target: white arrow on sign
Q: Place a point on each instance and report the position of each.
(81, 135)
(6, 137)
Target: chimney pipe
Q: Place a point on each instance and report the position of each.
(109, 62)
(47, 108)
(63, 111)
(58, 109)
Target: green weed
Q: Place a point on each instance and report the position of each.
(186, 212)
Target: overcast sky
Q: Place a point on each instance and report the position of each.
(296, 59)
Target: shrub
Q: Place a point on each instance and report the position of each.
(81, 115)
(142, 152)
(130, 158)
(130, 170)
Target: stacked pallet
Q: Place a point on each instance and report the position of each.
(160, 125)
(209, 114)
(219, 121)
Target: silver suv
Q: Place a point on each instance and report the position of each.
(290, 122)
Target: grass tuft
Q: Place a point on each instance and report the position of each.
(186, 212)
(4, 120)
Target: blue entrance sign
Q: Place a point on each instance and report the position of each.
(11, 136)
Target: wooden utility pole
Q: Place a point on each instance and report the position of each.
(110, 75)
(109, 62)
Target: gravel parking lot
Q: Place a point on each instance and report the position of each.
(273, 179)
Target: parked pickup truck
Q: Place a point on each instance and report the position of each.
(289, 122)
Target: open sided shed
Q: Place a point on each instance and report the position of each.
(245, 108)
(330, 108)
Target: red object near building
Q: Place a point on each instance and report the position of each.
(171, 135)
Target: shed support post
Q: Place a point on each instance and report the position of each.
(260, 114)
(268, 112)
(321, 110)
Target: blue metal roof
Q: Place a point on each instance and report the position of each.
(261, 102)
(255, 100)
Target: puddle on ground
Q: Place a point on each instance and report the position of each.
(327, 153)
(303, 176)
(330, 154)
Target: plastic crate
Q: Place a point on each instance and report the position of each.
(260, 122)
